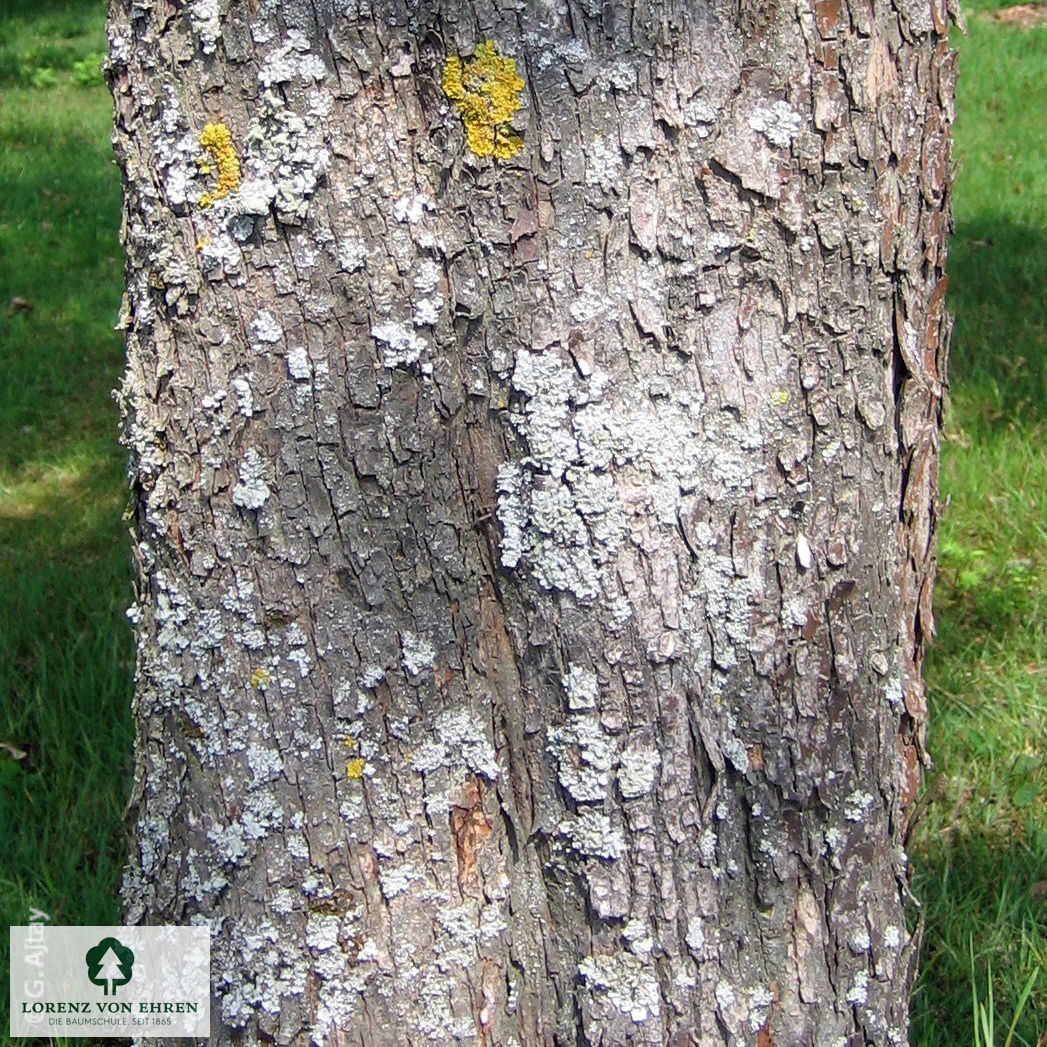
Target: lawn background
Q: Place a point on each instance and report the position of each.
(980, 849)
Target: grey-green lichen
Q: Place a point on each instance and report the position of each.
(206, 22)
(289, 153)
(623, 983)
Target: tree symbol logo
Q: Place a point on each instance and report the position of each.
(109, 964)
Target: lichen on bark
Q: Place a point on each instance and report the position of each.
(534, 557)
(485, 92)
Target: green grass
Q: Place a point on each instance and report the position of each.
(43, 44)
(65, 648)
(980, 851)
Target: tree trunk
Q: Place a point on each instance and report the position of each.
(534, 420)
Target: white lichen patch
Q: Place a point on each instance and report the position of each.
(695, 936)
(244, 396)
(219, 257)
(760, 1000)
(859, 990)
(254, 197)
(322, 930)
(460, 924)
(778, 123)
(265, 763)
(835, 839)
(417, 653)
(371, 675)
(287, 150)
(233, 843)
(204, 18)
(252, 492)
(698, 113)
(263, 330)
(893, 692)
(735, 751)
(637, 934)
(429, 301)
(396, 880)
(301, 661)
(638, 770)
(585, 754)
(603, 164)
(859, 941)
(273, 955)
(426, 278)
(427, 312)
(589, 304)
(298, 364)
(581, 687)
(197, 884)
(607, 458)
(401, 347)
(492, 923)
(412, 209)
(625, 982)
(352, 253)
(856, 805)
(292, 61)
(720, 242)
(214, 401)
(592, 835)
(458, 742)
(511, 515)
(563, 516)
(707, 847)
(726, 998)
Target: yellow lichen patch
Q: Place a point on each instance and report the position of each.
(354, 769)
(215, 138)
(260, 678)
(486, 93)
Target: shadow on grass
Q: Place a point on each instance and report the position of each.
(989, 888)
(42, 43)
(60, 272)
(996, 292)
(980, 856)
(65, 650)
(65, 647)
(65, 673)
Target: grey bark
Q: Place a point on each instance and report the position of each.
(535, 554)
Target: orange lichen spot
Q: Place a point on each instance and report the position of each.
(486, 92)
(215, 138)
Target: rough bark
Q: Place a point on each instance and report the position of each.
(535, 552)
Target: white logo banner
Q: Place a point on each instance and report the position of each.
(110, 981)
